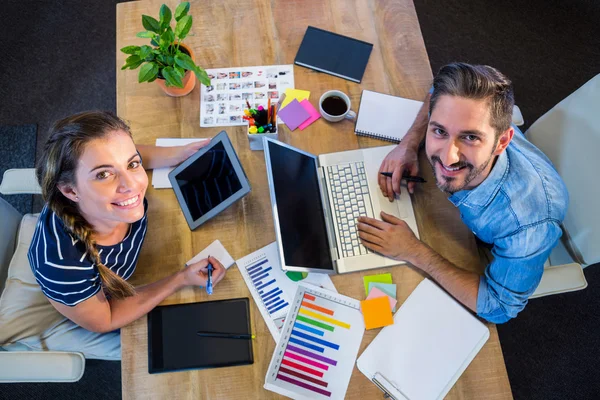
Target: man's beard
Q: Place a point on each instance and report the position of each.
(447, 186)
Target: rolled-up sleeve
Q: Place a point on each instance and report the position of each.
(516, 271)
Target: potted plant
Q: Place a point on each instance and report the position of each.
(168, 61)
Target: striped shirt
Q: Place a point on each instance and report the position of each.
(61, 265)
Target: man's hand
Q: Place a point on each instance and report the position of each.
(402, 160)
(391, 237)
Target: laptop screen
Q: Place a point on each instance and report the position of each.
(299, 208)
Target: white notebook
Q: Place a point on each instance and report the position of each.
(386, 117)
(431, 343)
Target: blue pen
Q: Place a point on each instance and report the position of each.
(209, 285)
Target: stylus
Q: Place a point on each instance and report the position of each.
(226, 335)
(209, 285)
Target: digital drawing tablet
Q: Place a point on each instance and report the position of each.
(174, 345)
(334, 54)
(209, 181)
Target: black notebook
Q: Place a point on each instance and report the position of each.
(173, 344)
(334, 54)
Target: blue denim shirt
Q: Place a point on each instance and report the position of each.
(518, 208)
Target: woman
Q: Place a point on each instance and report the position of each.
(89, 234)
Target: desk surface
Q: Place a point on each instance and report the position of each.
(224, 35)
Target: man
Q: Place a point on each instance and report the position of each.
(507, 191)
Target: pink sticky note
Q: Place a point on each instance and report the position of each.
(293, 114)
(376, 292)
(314, 114)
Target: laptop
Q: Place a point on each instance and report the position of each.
(316, 201)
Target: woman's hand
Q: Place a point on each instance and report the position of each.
(185, 152)
(197, 274)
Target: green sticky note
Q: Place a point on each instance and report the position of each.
(381, 278)
(387, 288)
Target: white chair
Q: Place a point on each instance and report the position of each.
(569, 134)
(26, 366)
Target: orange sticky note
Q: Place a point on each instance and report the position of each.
(376, 312)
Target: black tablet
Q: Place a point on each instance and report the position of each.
(174, 343)
(209, 181)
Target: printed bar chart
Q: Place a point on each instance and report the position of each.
(318, 346)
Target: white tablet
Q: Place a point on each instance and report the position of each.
(209, 181)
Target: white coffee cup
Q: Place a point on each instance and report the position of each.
(349, 114)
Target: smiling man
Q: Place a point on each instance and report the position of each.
(507, 191)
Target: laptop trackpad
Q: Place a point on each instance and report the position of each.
(394, 208)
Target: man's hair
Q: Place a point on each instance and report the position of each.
(478, 82)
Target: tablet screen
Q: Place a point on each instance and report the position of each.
(208, 181)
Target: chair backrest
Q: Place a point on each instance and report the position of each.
(569, 134)
(11, 219)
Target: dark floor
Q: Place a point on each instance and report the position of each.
(58, 58)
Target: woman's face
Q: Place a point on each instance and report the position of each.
(110, 180)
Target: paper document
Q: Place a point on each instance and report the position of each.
(216, 250)
(271, 288)
(319, 343)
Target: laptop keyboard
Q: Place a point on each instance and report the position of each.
(351, 199)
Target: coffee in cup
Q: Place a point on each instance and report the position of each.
(335, 106)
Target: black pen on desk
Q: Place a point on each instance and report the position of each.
(407, 178)
(226, 335)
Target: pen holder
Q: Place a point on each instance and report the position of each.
(256, 139)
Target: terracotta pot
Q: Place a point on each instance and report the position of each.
(189, 79)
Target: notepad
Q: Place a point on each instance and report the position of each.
(376, 292)
(431, 343)
(376, 312)
(174, 345)
(293, 114)
(383, 278)
(387, 288)
(291, 94)
(385, 117)
(314, 114)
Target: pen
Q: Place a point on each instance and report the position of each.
(209, 284)
(408, 178)
(226, 335)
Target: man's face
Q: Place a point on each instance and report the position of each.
(461, 144)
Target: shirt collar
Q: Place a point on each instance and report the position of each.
(483, 194)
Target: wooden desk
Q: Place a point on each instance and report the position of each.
(231, 33)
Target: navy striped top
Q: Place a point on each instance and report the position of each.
(60, 263)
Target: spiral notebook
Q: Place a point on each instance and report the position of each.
(431, 343)
(386, 117)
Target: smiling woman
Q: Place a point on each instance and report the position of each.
(90, 233)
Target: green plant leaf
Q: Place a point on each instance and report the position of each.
(132, 62)
(179, 71)
(172, 78)
(150, 23)
(130, 49)
(183, 26)
(148, 71)
(167, 38)
(145, 51)
(202, 76)
(185, 61)
(182, 10)
(153, 42)
(165, 16)
(146, 34)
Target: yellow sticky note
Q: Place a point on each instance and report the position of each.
(376, 312)
(381, 278)
(291, 94)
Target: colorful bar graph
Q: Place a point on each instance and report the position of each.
(302, 376)
(311, 355)
(309, 297)
(301, 367)
(308, 329)
(318, 308)
(307, 345)
(305, 360)
(324, 318)
(316, 340)
(315, 323)
(303, 385)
